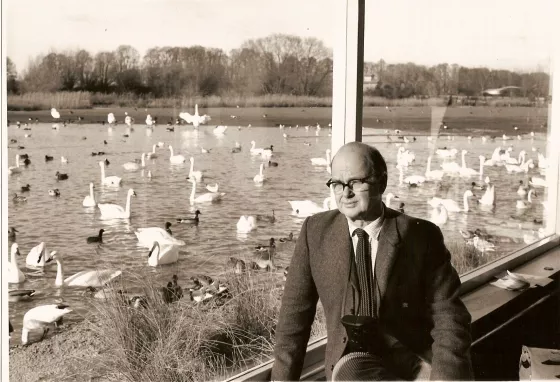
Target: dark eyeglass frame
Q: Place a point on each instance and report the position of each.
(351, 182)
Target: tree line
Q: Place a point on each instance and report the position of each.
(276, 64)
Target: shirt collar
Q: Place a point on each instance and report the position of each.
(373, 228)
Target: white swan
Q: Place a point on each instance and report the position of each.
(489, 196)
(149, 121)
(521, 204)
(246, 224)
(93, 278)
(195, 119)
(450, 204)
(446, 153)
(133, 166)
(537, 182)
(36, 257)
(439, 215)
(208, 197)
(530, 238)
(15, 169)
(213, 188)
(162, 254)
(111, 118)
(266, 153)
(89, 200)
(253, 150)
(390, 196)
(147, 237)
(127, 119)
(411, 180)
(464, 170)
(219, 130)
(483, 245)
(196, 175)
(259, 178)
(15, 275)
(152, 154)
(432, 174)
(405, 157)
(108, 180)
(41, 318)
(176, 159)
(305, 208)
(114, 211)
(55, 114)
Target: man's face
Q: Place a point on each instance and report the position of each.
(356, 205)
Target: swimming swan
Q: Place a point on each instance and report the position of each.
(305, 208)
(15, 275)
(259, 178)
(197, 175)
(37, 257)
(152, 154)
(525, 204)
(432, 174)
(450, 204)
(133, 166)
(464, 170)
(108, 180)
(489, 196)
(176, 159)
(195, 119)
(89, 200)
(210, 197)
(253, 150)
(114, 211)
(246, 224)
(93, 278)
(439, 215)
(147, 237)
(322, 161)
(162, 254)
(15, 169)
(41, 318)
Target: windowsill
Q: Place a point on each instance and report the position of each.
(489, 306)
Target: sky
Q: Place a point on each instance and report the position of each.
(512, 34)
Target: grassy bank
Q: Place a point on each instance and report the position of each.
(87, 100)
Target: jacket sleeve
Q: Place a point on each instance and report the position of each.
(451, 319)
(296, 314)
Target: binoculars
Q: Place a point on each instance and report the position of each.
(363, 334)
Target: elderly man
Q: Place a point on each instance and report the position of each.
(366, 260)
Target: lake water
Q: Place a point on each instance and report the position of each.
(63, 224)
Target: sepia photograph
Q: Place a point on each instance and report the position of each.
(235, 190)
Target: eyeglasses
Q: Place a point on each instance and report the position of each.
(354, 185)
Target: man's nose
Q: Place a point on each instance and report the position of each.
(347, 192)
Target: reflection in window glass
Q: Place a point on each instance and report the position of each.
(460, 111)
(235, 96)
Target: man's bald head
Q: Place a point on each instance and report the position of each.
(370, 157)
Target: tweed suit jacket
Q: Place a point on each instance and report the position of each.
(417, 294)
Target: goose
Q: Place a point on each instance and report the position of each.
(176, 159)
(390, 196)
(213, 188)
(489, 196)
(267, 218)
(60, 176)
(89, 200)
(108, 180)
(432, 174)
(16, 295)
(12, 233)
(133, 166)
(255, 151)
(15, 275)
(219, 130)
(538, 182)
(483, 245)
(521, 204)
(285, 239)
(196, 175)
(210, 197)
(147, 237)
(94, 278)
(322, 161)
(162, 254)
(439, 215)
(246, 224)
(464, 170)
(41, 318)
(412, 180)
(15, 169)
(195, 119)
(19, 199)
(194, 220)
(152, 154)
(96, 239)
(305, 208)
(26, 162)
(259, 178)
(450, 204)
(114, 211)
(37, 257)
(54, 113)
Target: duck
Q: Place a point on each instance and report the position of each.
(108, 180)
(12, 233)
(152, 154)
(483, 245)
(537, 182)
(16, 295)
(60, 176)
(521, 204)
(272, 164)
(265, 260)
(162, 254)
(37, 257)
(95, 278)
(450, 204)
(194, 220)
(237, 265)
(133, 166)
(41, 318)
(479, 187)
(107, 163)
(26, 188)
(439, 215)
(246, 224)
(263, 248)
(96, 239)
(259, 178)
(147, 237)
(412, 180)
(19, 199)
(267, 218)
(89, 200)
(114, 211)
(196, 175)
(286, 239)
(432, 174)
(208, 197)
(15, 169)
(48, 158)
(237, 148)
(15, 275)
(322, 161)
(522, 190)
(176, 159)
(54, 192)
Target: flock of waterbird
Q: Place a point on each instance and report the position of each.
(163, 246)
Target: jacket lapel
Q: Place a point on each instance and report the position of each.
(387, 250)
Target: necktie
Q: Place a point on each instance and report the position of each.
(365, 275)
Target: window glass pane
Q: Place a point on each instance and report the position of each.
(244, 88)
(457, 96)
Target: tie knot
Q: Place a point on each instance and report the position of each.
(360, 233)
